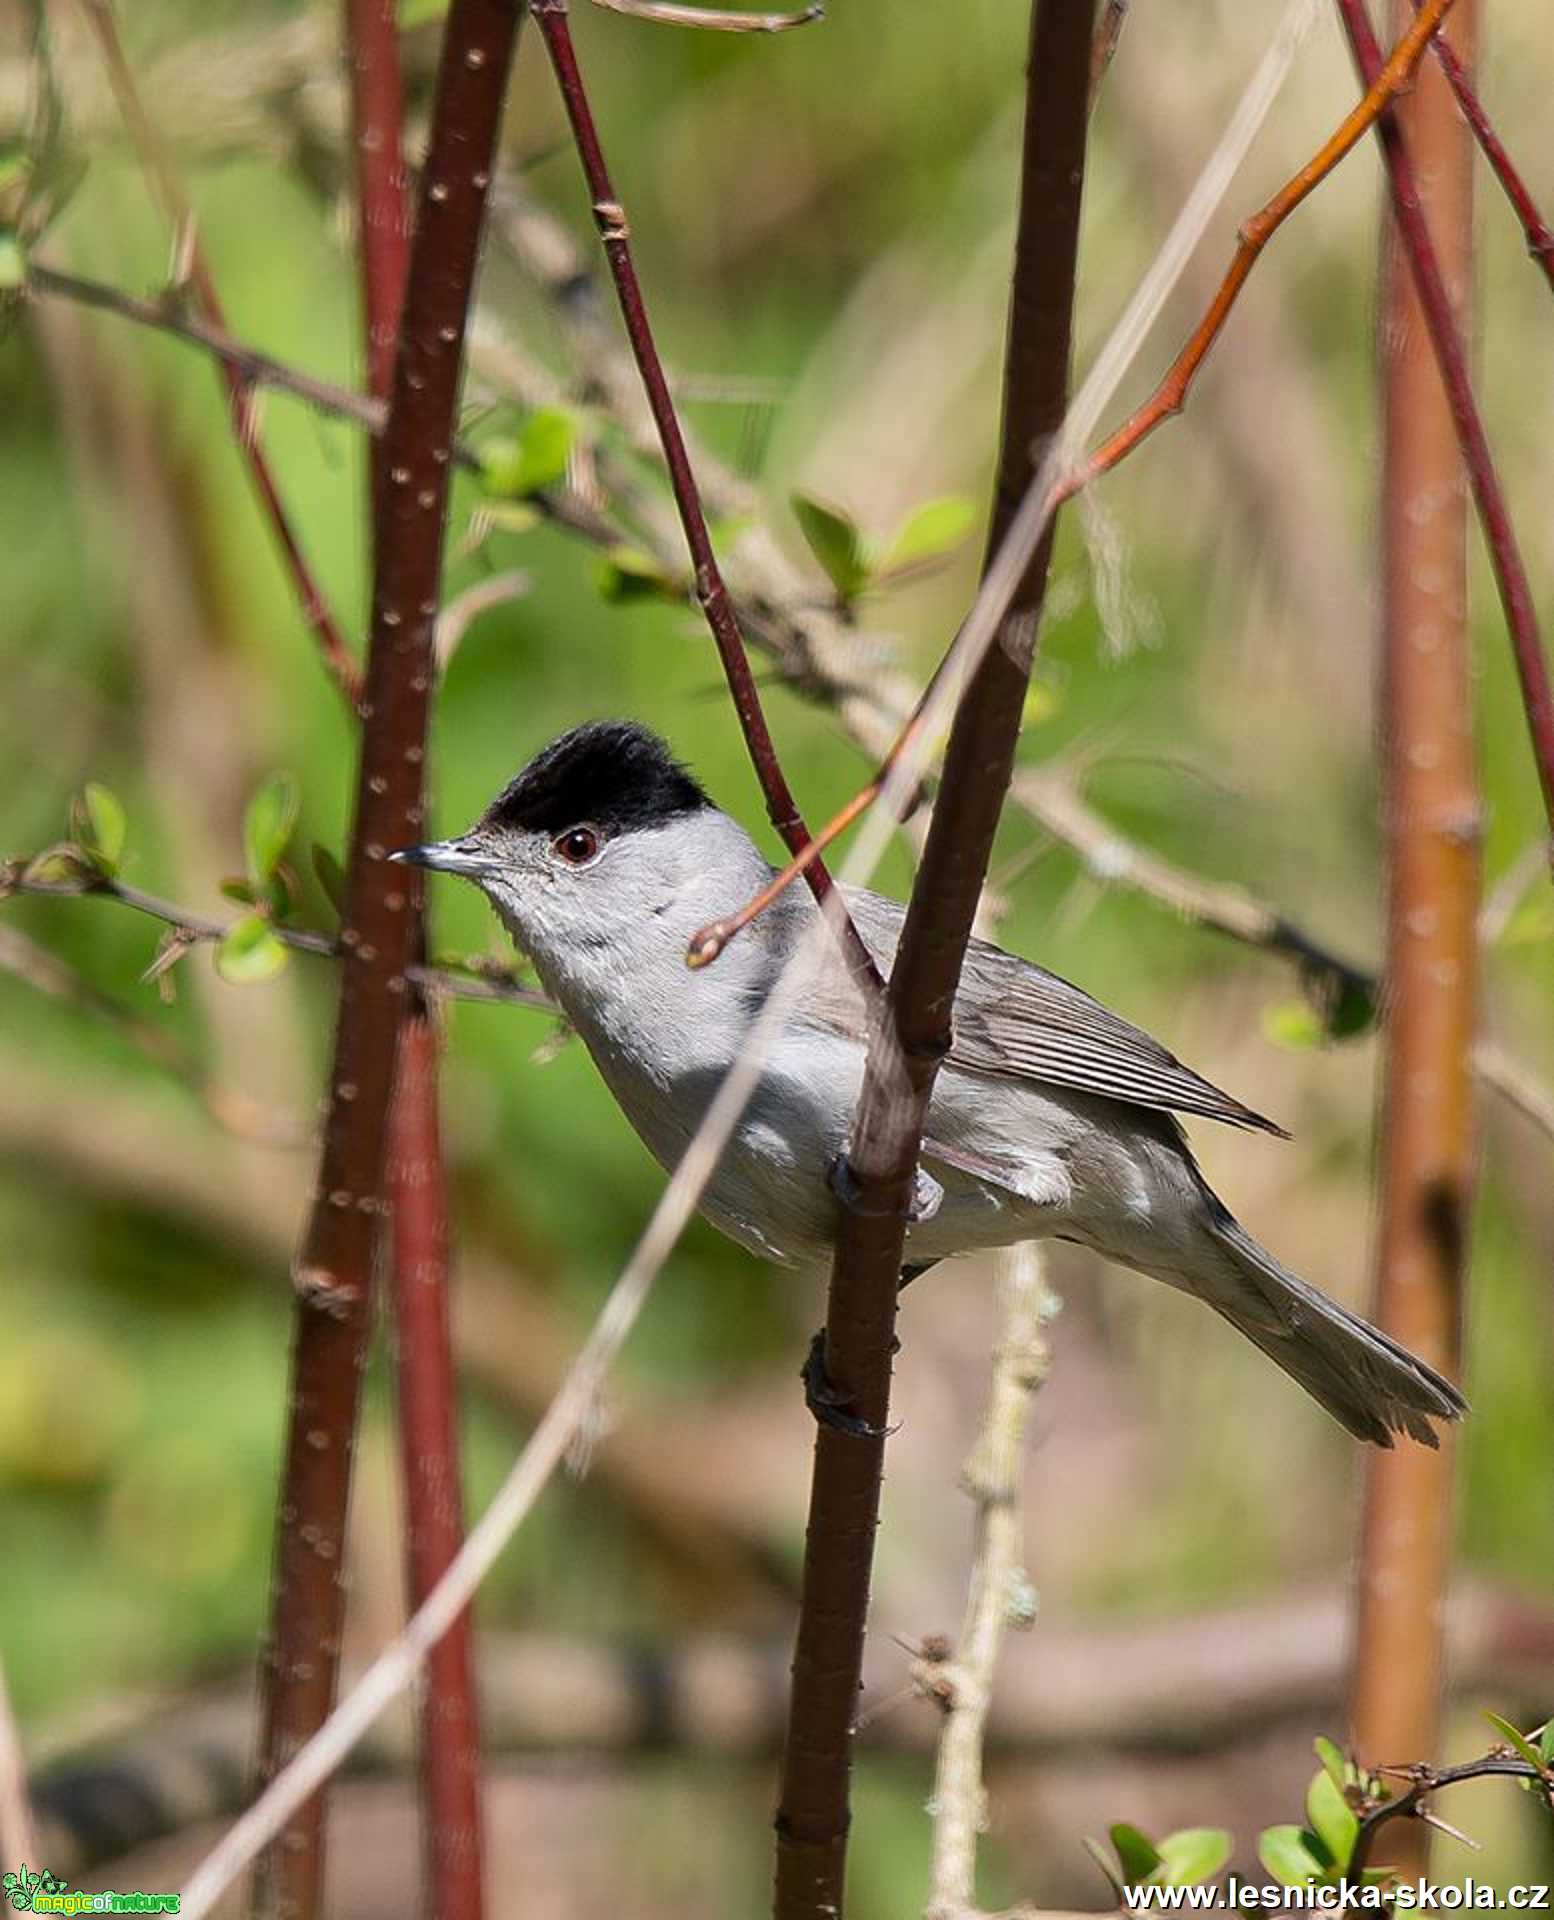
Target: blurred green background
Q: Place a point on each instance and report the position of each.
(822, 222)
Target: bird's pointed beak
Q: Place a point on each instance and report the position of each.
(466, 857)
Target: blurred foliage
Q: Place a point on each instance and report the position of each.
(823, 216)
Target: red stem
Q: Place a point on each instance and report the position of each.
(419, 1264)
(334, 1267)
(552, 19)
(1540, 239)
(419, 1270)
(1435, 304)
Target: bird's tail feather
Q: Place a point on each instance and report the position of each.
(1362, 1376)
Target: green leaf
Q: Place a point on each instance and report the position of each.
(1283, 1851)
(928, 533)
(1193, 1854)
(1509, 1734)
(330, 877)
(13, 263)
(267, 827)
(1041, 702)
(1294, 1026)
(1332, 1758)
(1546, 1742)
(535, 460)
(240, 891)
(98, 826)
(249, 952)
(835, 542)
(1333, 1819)
(626, 573)
(1137, 1853)
(419, 13)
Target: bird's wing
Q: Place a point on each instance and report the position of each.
(1015, 1018)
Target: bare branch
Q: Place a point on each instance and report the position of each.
(910, 1042)
(1539, 237)
(996, 1592)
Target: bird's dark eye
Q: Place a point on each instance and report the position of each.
(577, 846)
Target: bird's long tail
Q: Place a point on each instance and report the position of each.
(1361, 1375)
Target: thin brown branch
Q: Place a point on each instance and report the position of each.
(162, 175)
(666, 13)
(334, 1267)
(1432, 816)
(553, 20)
(1437, 313)
(1535, 229)
(993, 1477)
(249, 365)
(913, 1038)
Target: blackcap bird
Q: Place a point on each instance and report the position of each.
(1051, 1117)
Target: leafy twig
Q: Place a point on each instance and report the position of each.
(1425, 1781)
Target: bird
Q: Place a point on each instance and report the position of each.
(1051, 1117)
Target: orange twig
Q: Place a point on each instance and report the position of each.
(1167, 399)
(1170, 396)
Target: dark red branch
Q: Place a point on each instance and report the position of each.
(1435, 303)
(1540, 238)
(419, 1264)
(904, 1058)
(419, 1273)
(334, 1268)
(554, 23)
(383, 209)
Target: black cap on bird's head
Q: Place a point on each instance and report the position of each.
(612, 776)
(613, 773)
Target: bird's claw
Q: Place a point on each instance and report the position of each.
(927, 1193)
(825, 1399)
